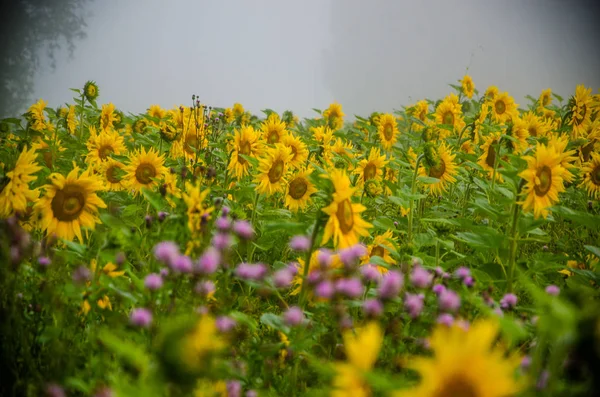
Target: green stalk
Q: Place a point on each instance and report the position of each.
(313, 239)
(412, 192)
(253, 218)
(512, 251)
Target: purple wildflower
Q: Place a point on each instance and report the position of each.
(324, 289)
(204, 288)
(552, 290)
(370, 273)
(209, 261)
(243, 229)
(182, 264)
(222, 241)
(420, 277)
(449, 301)
(153, 281)
(350, 287)
(251, 272)
(300, 243)
(166, 252)
(44, 261)
(445, 319)
(141, 317)
(293, 316)
(373, 308)
(225, 323)
(390, 285)
(413, 304)
(508, 301)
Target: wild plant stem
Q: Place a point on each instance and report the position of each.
(253, 218)
(512, 251)
(313, 239)
(412, 192)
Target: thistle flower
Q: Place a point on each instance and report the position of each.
(372, 308)
(300, 243)
(222, 241)
(283, 278)
(420, 277)
(324, 289)
(44, 261)
(370, 273)
(324, 257)
(141, 317)
(153, 281)
(209, 261)
(243, 229)
(293, 316)
(508, 301)
(182, 264)
(205, 288)
(445, 319)
(449, 301)
(225, 323)
(251, 272)
(350, 287)
(413, 304)
(390, 285)
(166, 252)
(552, 290)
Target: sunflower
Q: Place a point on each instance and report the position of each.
(334, 116)
(371, 167)
(156, 111)
(444, 170)
(272, 169)
(245, 142)
(491, 93)
(140, 126)
(518, 131)
(70, 203)
(107, 117)
(591, 178)
(273, 130)
(15, 193)
(238, 110)
(388, 130)
(144, 169)
(536, 126)
(487, 160)
(466, 363)
(419, 111)
(362, 350)
(322, 134)
(112, 172)
(581, 106)
(544, 180)
(198, 211)
(299, 150)
(503, 107)
(449, 112)
(71, 118)
(37, 117)
(299, 189)
(545, 98)
(567, 158)
(91, 91)
(345, 224)
(339, 148)
(189, 144)
(468, 87)
(101, 146)
(381, 247)
(169, 188)
(467, 147)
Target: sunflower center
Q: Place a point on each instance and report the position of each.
(105, 151)
(469, 86)
(144, 173)
(298, 188)
(245, 150)
(438, 170)
(388, 132)
(294, 152)
(370, 171)
(457, 387)
(110, 175)
(595, 175)
(68, 203)
(490, 159)
(276, 171)
(91, 90)
(378, 251)
(448, 118)
(532, 131)
(345, 216)
(545, 100)
(544, 176)
(273, 137)
(500, 107)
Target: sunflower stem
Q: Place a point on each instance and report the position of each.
(253, 218)
(412, 192)
(313, 239)
(512, 251)
(81, 115)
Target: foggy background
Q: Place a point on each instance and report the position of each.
(367, 55)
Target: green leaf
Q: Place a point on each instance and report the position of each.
(76, 247)
(582, 218)
(482, 238)
(251, 160)
(127, 351)
(155, 199)
(427, 180)
(593, 250)
(274, 321)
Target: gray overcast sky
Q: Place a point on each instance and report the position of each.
(367, 55)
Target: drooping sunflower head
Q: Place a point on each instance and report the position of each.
(103, 145)
(91, 91)
(299, 150)
(371, 167)
(503, 108)
(15, 193)
(71, 118)
(274, 130)
(140, 125)
(70, 203)
(144, 170)
(246, 143)
(345, 225)
(322, 134)
(488, 159)
(37, 117)
(339, 154)
(444, 169)
(388, 130)
(519, 133)
(491, 93)
(591, 172)
(157, 112)
(381, 246)
(544, 179)
(272, 169)
(238, 110)
(466, 363)
(299, 190)
(107, 117)
(581, 107)
(468, 87)
(545, 98)
(536, 126)
(334, 116)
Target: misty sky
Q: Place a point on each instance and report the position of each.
(367, 55)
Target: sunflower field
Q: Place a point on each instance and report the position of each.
(450, 248)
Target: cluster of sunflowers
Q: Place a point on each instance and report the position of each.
(463, 197)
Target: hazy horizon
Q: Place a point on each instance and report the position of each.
(371, 56)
